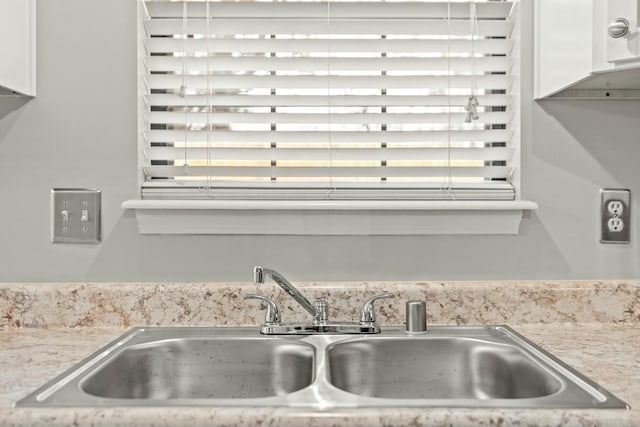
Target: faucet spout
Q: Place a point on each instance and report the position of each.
(259, 274)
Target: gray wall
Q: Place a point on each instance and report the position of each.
(80, 131)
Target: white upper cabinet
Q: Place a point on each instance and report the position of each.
(18, 47)
(586, 49)
(622, 28)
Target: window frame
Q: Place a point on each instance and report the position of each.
(330, 217)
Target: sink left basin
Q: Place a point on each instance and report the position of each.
(184, 365)
(201, 368)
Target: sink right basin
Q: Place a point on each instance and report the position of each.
(461, 366)
(438, 368)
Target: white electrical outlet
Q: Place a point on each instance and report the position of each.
(615, 225)
(615, 207)
(615, 216)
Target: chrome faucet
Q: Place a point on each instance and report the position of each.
(258, 277)
(319, 310)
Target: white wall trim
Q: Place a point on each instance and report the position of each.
(327, 217)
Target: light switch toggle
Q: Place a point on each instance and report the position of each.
(85, 216)
(65, 215)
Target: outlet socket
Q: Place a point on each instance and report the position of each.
(615, 207)
(615, 215)
(615, 225)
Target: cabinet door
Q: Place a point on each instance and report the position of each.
(563, 50)
(626, 47)
(17, 46)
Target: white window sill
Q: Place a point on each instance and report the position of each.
(328, 217)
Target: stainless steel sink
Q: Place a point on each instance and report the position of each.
(204, 368)
(460, 366)
(438, 368)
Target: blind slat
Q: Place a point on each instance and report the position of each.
(335, 137)
(228, 9)
(174, 82)
(248, 64)
(407, 26)
(322, 101)
(340, 154)
(180, 117)
(497, 172)
(378, 45)
(276, 190)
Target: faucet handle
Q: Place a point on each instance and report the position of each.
(322, 312)
(368, 313)
(273, 312)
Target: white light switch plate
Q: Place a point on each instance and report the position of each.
(75, 215)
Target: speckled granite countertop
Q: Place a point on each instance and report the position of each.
(607, 350)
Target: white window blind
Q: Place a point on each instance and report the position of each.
(327, 99)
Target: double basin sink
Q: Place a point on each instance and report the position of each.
(459, 366)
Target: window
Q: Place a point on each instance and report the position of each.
(328, 100)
